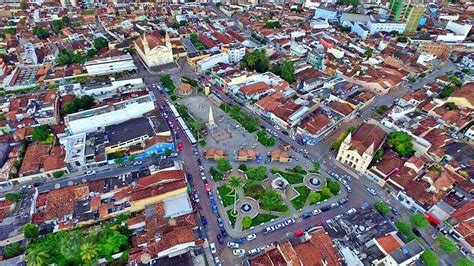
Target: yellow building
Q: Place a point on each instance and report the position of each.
(464, 96)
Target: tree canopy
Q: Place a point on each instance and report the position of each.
(100, 43)
(429, 258)
(382, 208)
(272, 24)
(67, 57)
(223, 165)
(447, 245)
(464, 262)
(446, 92)
(41, 133)
(333, 186)
(31, 231)
(82, 103)
(57, 26)
(286, 71)
(14, 197)
(256, 60)
(272, 201)
(350, 2)
(419, 220)
(40, 32)
(400, 142)
(246, 222)
(258, 173)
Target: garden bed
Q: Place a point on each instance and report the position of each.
(232, 219)
(253, 190)
(262, 218)
(292, 178)
(300, 200)
(227, 195)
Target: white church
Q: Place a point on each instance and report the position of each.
(153, 51)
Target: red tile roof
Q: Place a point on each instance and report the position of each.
(221, 37)
(388, 243)
(366, 135)
(317, 249)
(316, 123)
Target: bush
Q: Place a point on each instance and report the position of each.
(41, 133)
(429, 258)
(14, 197)
(223, 165)
(446, 92)
(447, 245)
(382, 208)
(12, 251)
(333, 186)
(58, 174)
(265, 139)
(314, 197)
(31, 231)
(258, 173)
(464, 262)
(243, 167)
(300, 201)
(419, 220)
(325, 193)
(381, 109)
(272, 201)
(246, 222)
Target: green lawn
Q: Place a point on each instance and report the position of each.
(227, 195)
(299, 201)
(262, 218)
(292, 178)
(231, 218)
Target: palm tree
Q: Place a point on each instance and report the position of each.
(88, 252)
(235, 183)
(36, 257)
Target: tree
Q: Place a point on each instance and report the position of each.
(401, 142)
(39, 32)
(464, 262)
(223, 165)
(382, 208)
(82, 103)
(333, 186)
(12, 250)
(119, 161)
(369, 53)
(89, 253)
(246, 222)
(31, 231)
(272, 201)
(113, 244)
(58, 174)
(41, 133)
(14, 197)
(288, 71)
(447, 245)
(255, 60)
(429, 258)
(350, 2)
(451, 105)
(381, 109)
(325, 193)
(256, 173)
(57, 25)
(235, 183)
(405, 229)
(100, 43)
(36, 257)
(314, 197)
(66, 20)
(419, 220)
(446, 92)
(132, 158)
(23, 5)
(272, 25)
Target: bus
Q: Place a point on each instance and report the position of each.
(187, 132)
(174, 110)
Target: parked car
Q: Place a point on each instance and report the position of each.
(213, 248)
(325, 208)
(233, 245)
(217, 261)
(238, 252)
(203, 220)
(316, 212)
(372, 191)
(220, 239)
(224, 232)
(343, 201)
(196, 197)
(289, 221)
(351, 211)
(306, 215)
(254, 251)
(220, 222)
(334, 205)
(337, 217)
(136, 163)
(268, 230)
(89, 173)
(251, 237)
(240, 240)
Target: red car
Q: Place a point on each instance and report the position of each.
(208, 187)
(180, 146)
(299, 233)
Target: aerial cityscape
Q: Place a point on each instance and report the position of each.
(315, 132)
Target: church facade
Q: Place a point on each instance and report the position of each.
(152, 51)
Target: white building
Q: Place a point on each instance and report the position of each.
(211, 61)
(109, 65)
(236, 54)
(110, 87)
(385, 26)
(153, 52)
(98, 118)
(458, 32)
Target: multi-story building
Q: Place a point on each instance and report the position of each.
(409, 11)
(98, 118)
(358, 149)
(153, 52)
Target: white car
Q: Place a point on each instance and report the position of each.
(90, 172)
(203, 176)
(137, 163)
(351, 211)
(238, 252)
(292, 137)
(372, 191)
(251, 237)
(212, 246)
(254, 251)
(233, 245)
(316, 212)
